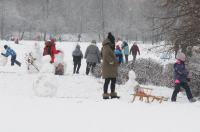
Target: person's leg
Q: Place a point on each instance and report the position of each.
(126, 57)
(112, 86)
(134, 58)
(13, 58)
(87, 68)
(75, 65)
(105, 88)
(113, 94)
(176, 91)
(187, 90)
(52, 58)
(93, 66)
(106, 83)
(79, 65)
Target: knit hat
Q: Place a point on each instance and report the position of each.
(5, 46)
(93, 42)
(111, 38)
(180, 56)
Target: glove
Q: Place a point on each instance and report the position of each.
(111, 63)
(177, 81)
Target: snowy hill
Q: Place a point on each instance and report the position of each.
(43, 102)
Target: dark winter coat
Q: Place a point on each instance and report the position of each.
(109, 67)
(180, 72)
(134, 50)
(77, 54)
(92, 54)
(9, 52)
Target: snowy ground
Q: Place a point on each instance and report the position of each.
(76, 101)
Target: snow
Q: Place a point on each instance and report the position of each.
(44, 102)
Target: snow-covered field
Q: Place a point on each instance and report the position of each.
(75, 102)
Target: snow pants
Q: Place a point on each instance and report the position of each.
(14, 61)
(77, 65)
(177, 90)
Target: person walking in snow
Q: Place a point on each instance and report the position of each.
(119, 54)
(50, 49)
(109, 67)
(92, 56)
(13, 54)
(77, 56)
(181, 78)
(125, 49)
(134, 50)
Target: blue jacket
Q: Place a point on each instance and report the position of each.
(9, 51)
(126, 50)
(180, 72)
(119, 56)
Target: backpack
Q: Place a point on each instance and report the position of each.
(59, 70)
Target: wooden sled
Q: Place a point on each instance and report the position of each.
(143, 93)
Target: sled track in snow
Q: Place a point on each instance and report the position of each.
(5, 72)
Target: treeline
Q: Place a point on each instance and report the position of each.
(124, 18)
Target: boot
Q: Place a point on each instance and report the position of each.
(105, 96)
(114, 95)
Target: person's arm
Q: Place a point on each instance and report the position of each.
(138, 50)
(6, 54)
(86, 53)
(98, 55)
(130, 50)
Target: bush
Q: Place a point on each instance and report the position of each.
(148, 71)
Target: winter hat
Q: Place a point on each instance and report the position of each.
(78, 46)
(111, 38)
(93, 42)
(5, 46)
(180, 56)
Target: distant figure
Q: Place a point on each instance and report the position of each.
(92, 56)
(134, 50)
(125, 48)
(16, 41)
(13, 54)
(79, 37)
(109, 67)
(119, 55)
(181, 77)
(77, 56)
(50, 49)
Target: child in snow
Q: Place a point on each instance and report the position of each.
(134, 50)
(77, 56)
(181, 78)
(50, 49)
(13, 54)
(119, 54)
(125, 48)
